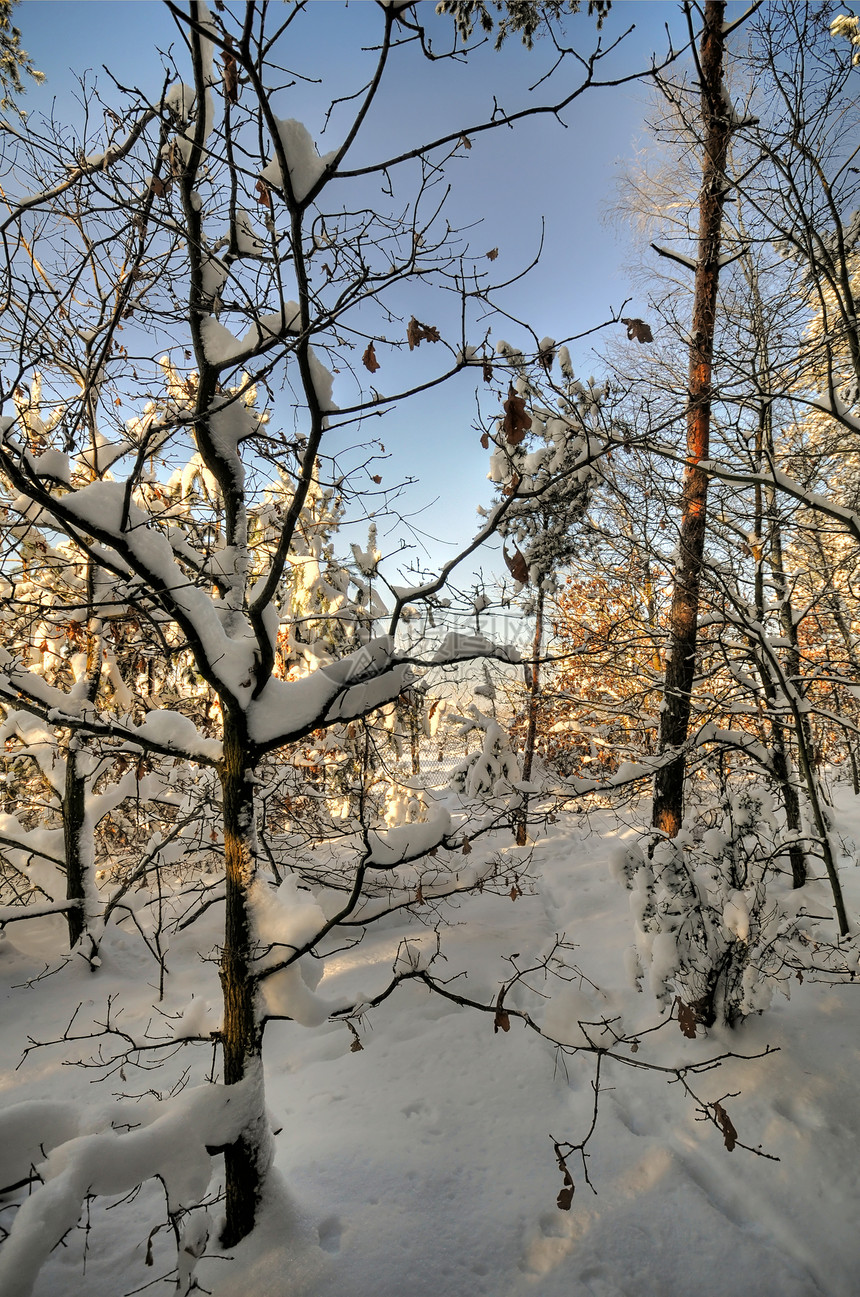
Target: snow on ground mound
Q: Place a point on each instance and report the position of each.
(422, 1163)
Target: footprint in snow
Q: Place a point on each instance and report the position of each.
(330, 1231)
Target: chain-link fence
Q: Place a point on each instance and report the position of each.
(436, 759)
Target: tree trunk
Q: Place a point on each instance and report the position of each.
(780, 750)
(248, 1159)
(531, 732)
(668, 806)
(74, 820)
(77, 833)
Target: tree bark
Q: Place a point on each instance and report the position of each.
(780, 748)
(531, 732)
(74, 820)
(248, 1159)
(77, 832)
(668, 807)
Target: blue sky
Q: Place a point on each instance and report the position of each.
(514, 182)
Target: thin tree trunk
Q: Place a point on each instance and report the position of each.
(74, 821)
(779, 752)
(415, 732)
(782, 775)
(832, 597)
(77, 831)
(531, 732)
(248, 1159)
(779, 691)
(668, 805)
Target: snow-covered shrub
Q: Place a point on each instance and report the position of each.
(404, 804)
(491, 771)
(710, 929)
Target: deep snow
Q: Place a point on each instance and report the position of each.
(423, 1163)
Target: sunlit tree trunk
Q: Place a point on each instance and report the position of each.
(684, 614)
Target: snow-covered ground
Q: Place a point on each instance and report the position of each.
(423, 1163)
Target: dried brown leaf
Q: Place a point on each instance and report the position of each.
(518, 568)
(516, 422)
(485, 440)
(639, 330)
(416, 333)
(369, 358)
(467, 847)
(264, 198)
(488, 372)
(514, 892)
(375, 477)
(356, 1047)
(724, 1121)
(501, 1022)
(687, 1019)
(492, 254)
(175, 159)
(465, 141)
(231, 73)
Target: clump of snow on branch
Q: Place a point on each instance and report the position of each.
(304, 164)
(848, 25)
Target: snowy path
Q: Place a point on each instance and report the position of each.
(423, 1163)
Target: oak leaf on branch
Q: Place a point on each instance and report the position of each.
(519, 570)
(565, 1195)
(687, 1019)
(369, 358)
(639, 330)
(416, 333)
(724, 1121)
(516, 422)
(231, 73)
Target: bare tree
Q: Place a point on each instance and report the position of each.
(165, 286)
(716, 121)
